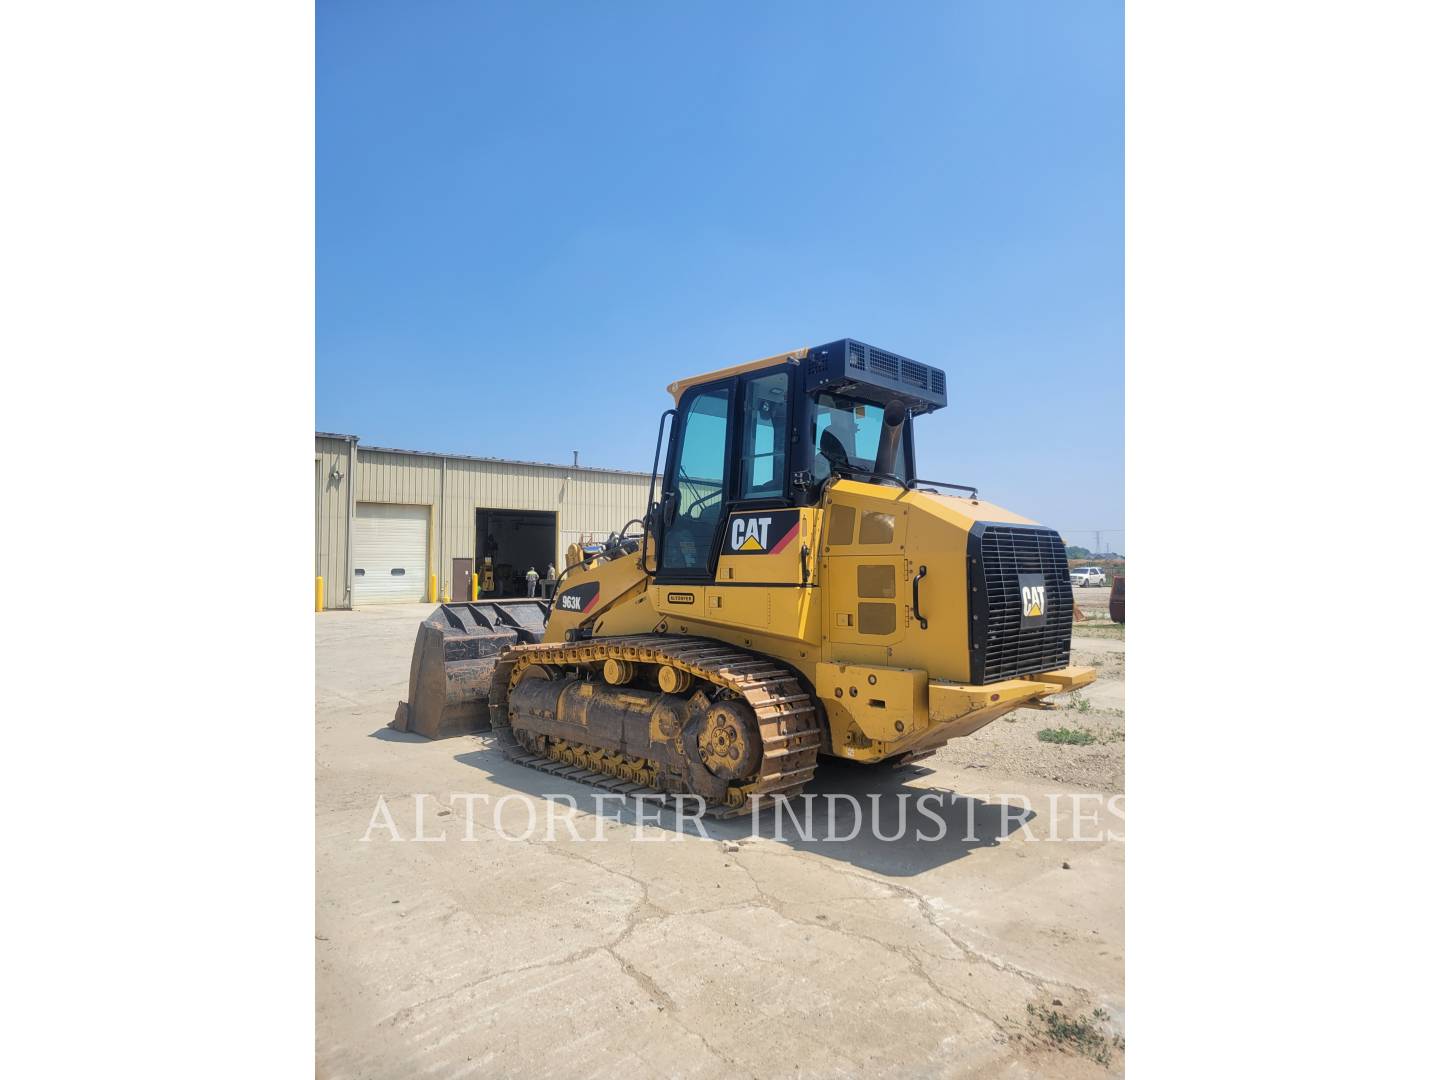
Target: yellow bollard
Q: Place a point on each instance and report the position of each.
(319, 594)
(474, 588)
(433, 592)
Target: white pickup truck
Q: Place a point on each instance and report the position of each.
(1087, 575)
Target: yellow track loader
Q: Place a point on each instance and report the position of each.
(794, 589)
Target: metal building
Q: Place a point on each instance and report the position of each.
(387, 520)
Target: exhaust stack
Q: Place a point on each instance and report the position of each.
(890, 436)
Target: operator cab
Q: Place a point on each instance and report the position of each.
(771, 433)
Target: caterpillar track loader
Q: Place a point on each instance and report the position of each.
(793, 590)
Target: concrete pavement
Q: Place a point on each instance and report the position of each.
(654, 952)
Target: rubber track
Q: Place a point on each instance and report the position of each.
(789, 724)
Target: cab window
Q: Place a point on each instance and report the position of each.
(699, 481)
(846, 436)
(765, 424)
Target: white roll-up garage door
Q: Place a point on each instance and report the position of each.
(390, 563)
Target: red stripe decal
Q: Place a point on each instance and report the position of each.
(780, 544)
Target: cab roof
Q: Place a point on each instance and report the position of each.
(680, 386)
(848, 367)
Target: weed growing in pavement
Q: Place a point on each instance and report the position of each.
(1067, 736)
(1081, 1034)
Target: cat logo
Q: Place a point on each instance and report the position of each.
(1032, 600)
(761, 534)
(749, 533)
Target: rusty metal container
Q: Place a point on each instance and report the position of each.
(1117, 600)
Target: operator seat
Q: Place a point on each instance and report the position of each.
(832, 449)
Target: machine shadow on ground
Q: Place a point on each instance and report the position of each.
(888, 802)
(389, 734)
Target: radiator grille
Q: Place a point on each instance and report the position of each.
(866, 373)
(1000, 648)
(884, 363)
(915, 374)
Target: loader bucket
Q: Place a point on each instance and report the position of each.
(454, 659)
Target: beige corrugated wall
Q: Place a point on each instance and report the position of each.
(332, 518)
(593, 503)
(586, 502)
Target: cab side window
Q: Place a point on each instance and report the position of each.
(765, 436)
(846, 436)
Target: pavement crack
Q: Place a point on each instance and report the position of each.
(645, 982)
(404, 1014)
(1042, 983)
(909, 956)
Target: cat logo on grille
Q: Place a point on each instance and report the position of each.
(1033, 602)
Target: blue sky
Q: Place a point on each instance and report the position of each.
(531, 217)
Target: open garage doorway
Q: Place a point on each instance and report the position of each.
(514, 541)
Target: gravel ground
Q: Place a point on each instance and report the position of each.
(1094, 603)
(1011, 746)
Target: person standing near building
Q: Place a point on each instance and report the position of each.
(531, 580)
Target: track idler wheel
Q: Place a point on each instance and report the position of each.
(729, 741)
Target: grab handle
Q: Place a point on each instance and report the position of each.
(915, 600)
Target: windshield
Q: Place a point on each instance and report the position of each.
(846, 437)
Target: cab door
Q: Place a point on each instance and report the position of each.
(736, 551)
(758, 542)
